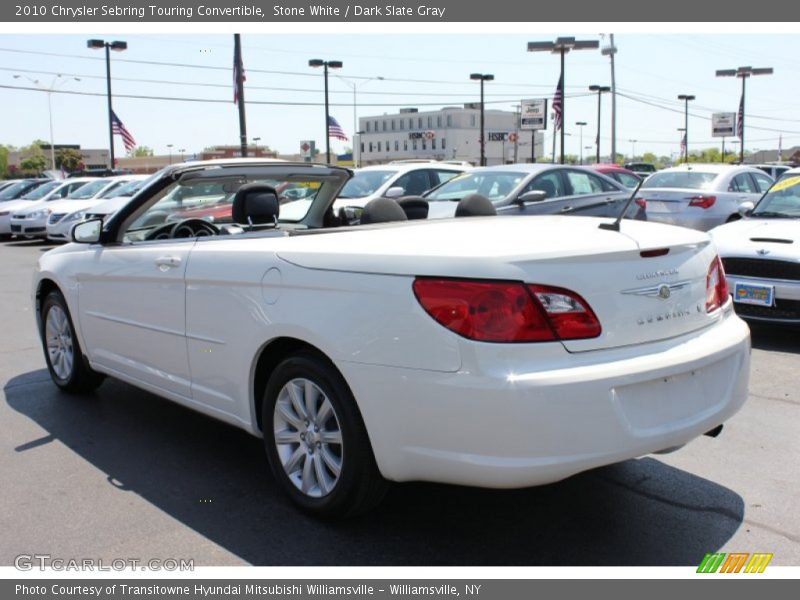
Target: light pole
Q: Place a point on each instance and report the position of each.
(182, 150)
(58, 81)
(482, 77)
(116, 46)
(600, 89)
(333, 64)
(354, 86)
(255, 143)
(581, 124)
(610, 51)
(633, 149)
(686, 98)
(561, 46)
(743, 73)
(169, 148)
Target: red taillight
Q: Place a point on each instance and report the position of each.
(641, 202)
(702, 201)
(490, 311)
(716, 286)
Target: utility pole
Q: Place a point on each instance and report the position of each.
(237, 58)
(610, 51)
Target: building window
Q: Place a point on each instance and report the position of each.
(370, 146)
(392, 124)
(411, 123)
(396, 146)
(472, 120)
(449, 120)
(443, 143)
(405, 145)
(438, 120)
(367, 125)
(362, 147)
(424, 144)
(433, 144)
(414, 144)
(419, 122)
(402, 124)
(376, 126)
(388, 146)
(430, 121)
(384, 125)
(379, 146)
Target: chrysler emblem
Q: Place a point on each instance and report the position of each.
(664, 292)
(661, 291)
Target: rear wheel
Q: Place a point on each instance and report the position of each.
(316, 441)
(62, 352)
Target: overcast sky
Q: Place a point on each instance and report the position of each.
(425, 71)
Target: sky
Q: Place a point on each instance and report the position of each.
(430, 70)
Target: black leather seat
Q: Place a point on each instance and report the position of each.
(475, 205)
(415, 207)
(382, 210)
(256, 205)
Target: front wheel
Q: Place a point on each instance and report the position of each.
(61, 350)
(316, 441)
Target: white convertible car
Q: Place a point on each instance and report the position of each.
(487, 351)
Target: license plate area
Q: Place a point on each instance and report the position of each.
(658, 206)
(754, 293)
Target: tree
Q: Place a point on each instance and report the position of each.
(3, 161)
(142, 151)
(68, 159)
(34, 160)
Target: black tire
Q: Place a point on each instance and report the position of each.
(359, 485)
(73, 376)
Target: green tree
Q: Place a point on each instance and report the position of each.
(68, 159)
(649, 157)
(3, 162)
(33, 159)
(142, 151)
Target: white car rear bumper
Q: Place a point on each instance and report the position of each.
(495, 424)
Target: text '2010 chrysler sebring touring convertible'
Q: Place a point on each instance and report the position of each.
(486, 351)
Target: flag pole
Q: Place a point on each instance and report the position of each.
(239, 73)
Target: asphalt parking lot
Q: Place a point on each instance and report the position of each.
(124, 474)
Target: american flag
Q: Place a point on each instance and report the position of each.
(236, 63)
(335, 130)
(118, 128)
(558, 105)
(740, 119)
(683, 143)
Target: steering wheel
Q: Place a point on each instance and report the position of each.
(188, 228)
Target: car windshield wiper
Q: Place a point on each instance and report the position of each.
(773, 215)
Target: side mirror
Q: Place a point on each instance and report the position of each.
(87, 232)
(395, 192)
(532, 196)
(745, 208)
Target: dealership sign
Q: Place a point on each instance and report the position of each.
(723, 124)
(533, 114)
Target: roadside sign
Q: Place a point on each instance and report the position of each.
(533, 114)
(723, 124)
(496, 136)
(512, 137)
(307, 148)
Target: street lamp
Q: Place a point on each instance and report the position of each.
(169, 147)
(743, 73)
(333, 64)
(600, 89)
(355, 87)
(116, 46)
(633, 149)
(561, 46)
(581, 124)
(182, 150)
(58, 81)
(482, 77)
(686, 98)
(255, 143)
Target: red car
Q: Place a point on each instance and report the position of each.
(620, 174)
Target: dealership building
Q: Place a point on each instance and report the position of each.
(451, 133)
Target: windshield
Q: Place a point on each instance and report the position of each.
(494, 185)
(781, 201)
(126, 189)
(13, 190)
(688, 180)
(365, 183)
(41, 191)
(89, 190)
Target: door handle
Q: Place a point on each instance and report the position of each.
(167, 262)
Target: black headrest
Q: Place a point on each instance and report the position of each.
(382, 210)
(255, 204)
(475, 205)
(415, 207)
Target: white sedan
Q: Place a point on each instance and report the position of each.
(479, 351)
(701, 196)
(761, 255)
